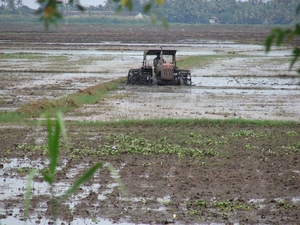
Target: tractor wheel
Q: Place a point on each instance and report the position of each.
(180, 81)
(153, 81)
(129, 79)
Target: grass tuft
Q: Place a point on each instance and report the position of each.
(6, 117)
(90, 95)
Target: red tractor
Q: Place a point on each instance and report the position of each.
(159, 72)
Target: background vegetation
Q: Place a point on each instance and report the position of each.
(175, 11)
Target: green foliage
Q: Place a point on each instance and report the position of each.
(27, 194)
(107, 20)
(294, 147)
(292, 133)
(284, 204)
(230, 205)
(50, 13)
(196, 61)
(21, 56)
(11, 117)
(247, 133)
(53, 146)
(173, 11)
(249, 146)
(279, 36)
(81, 180)
(120, 144)
(116, 176)
(200, 206)
(200, 203)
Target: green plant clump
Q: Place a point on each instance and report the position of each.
(119, 144)
(49, 173)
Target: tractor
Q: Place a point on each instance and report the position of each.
(160, 72)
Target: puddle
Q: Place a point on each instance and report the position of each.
(97, 194)
(247, 82)
(13, 187)
(296, 200)
(197, 102)
(76, 221)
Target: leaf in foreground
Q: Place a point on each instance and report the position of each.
(80, 181)
(27, 194)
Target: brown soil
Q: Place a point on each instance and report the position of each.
(254, 184)
(30, 34)
(253, 180)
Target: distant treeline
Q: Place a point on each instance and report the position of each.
(194, 11)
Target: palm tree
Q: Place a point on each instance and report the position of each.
(205, 7)
(10, 5)
(184, 11)
(110, 5)
(217, 6)
(19, 3)
(3, 3)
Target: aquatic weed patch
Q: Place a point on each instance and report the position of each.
(132, 144)
(205, 210)
(247, 133)
(22, 55)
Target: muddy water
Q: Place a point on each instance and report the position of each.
(13, 186)
(197, 102)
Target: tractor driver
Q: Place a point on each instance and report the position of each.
(156, 60)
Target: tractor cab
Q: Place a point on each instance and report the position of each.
(164, 65)
(159, 67)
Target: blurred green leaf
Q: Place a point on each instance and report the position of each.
(165, 23)
(80, 181)
(53, 144)
(296, 54)
(60, 120)
(290, 36)
(268, 42)
(28, 193)
(280, 36)
(153, 17)
(147, 7)
(115, 175)
(160, 2)
(119, 9)
(50, 14)
(39, 11)
(80, 7)
(54, 131)
(298, 10)
(47, 178)
(297, 29)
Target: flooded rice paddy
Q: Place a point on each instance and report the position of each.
(240, 81)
